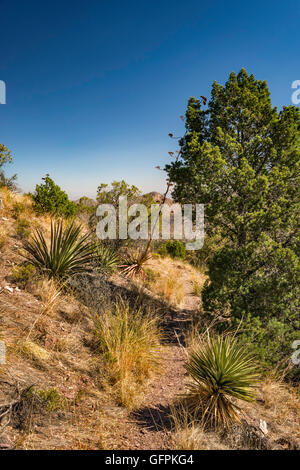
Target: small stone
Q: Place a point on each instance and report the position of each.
(10, 289)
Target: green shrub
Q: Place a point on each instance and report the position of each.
(24, 274)
(23, 228)
(201, 258)
(173, 248)
(53, 399)
(18, 208)
(49, 197)
(271, 341)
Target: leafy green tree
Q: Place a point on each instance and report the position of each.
(5, 157)
(49, 197)
(240, 157)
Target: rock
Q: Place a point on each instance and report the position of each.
(263, 427)
(10, 289)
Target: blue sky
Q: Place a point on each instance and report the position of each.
(94, 87)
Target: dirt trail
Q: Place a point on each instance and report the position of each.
(149, 427)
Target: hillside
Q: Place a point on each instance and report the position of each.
(56, 390)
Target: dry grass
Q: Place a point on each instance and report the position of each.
(48, 291)
(282, 400)
(3, 238)
(130, 343)
(189, 434)
(170, 288)
(197, 288)
(16, 204)
(19, 206)
(174, 279)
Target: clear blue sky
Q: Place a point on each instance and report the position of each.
(94, 87)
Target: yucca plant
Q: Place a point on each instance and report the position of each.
(69, 252)
(133, 264)
(223, 372)
(105, 258)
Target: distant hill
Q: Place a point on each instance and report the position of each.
(86, 201)
(158, 198)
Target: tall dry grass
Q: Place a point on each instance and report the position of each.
(48, 291)
(3, 238)
(129, 341)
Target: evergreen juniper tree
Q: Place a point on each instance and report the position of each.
(240, 157)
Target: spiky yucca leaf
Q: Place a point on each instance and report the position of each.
(222, 371)
(69, 252)
(106, 258)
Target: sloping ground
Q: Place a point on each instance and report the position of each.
(151, 426)
(51, 390)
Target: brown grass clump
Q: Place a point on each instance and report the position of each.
(48, 291)
(3, 238)
(130, 343)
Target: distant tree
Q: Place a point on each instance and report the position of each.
(240, 157)
(5, 157)
(49, 197)
(6, 182)
(106, 195)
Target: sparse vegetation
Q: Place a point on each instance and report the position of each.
(24, 274)
(23, 228)
(48, 291)
(197, 288)
(33, 351)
